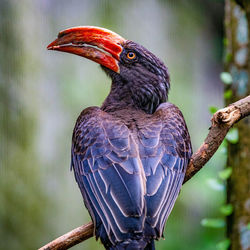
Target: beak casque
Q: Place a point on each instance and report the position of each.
(97, 44)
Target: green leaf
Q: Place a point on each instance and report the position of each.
(224, 143)
(212, 109)
(248, 226)
(228, 94)
(223, 150)
(226, 78)
(226, 209)
(225, 173)
(228, 57)
(216, 184)
(233, 135)
(223, 147)
(223, 245)
(225, 41)
(214, 223)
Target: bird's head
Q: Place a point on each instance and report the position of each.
(133, 69)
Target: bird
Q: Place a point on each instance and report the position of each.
(130, 155)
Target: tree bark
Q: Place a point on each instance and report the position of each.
(237, 26)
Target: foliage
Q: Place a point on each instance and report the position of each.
(233, 136)
(214, 223)
(226, 78)
(223, 245)
(225, 173)
(226, 209)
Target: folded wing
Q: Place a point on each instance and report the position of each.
(165, 150)
(109, 173)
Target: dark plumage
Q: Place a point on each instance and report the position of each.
(142, 83)
(130, 156)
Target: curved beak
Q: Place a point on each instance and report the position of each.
(97, 44)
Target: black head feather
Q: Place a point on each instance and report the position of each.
(143, 80)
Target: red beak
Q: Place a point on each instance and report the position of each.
(97, 44)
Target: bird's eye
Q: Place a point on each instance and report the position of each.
(131, 55)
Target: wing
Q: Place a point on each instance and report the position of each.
(165, 150)
(109, 173)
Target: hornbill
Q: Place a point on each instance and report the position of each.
(130, 155)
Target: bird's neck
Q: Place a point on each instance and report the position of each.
(128, 96)
(118, 99)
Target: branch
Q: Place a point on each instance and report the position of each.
(71, 238)
(222, 121)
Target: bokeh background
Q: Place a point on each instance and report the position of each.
(42, 93)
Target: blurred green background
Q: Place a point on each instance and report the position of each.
(42, 93)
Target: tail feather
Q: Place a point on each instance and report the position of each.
(150, 245)
(134, 245)
(131, 241)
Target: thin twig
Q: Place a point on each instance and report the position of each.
(222, 121)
